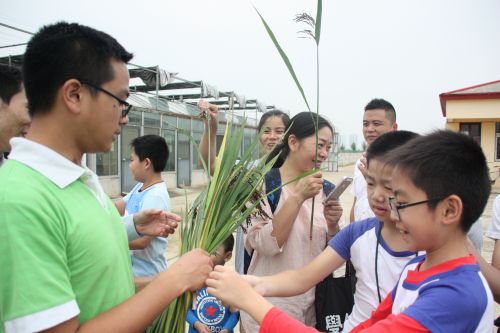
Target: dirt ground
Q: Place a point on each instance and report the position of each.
(178, 200)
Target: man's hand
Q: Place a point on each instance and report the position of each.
(201, 328)
(156, 222)
(193, 268)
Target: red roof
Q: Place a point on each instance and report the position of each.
(490, 90)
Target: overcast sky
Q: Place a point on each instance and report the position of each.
(407, 52)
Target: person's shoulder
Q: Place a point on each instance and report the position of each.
(362, 226)
(357, 229)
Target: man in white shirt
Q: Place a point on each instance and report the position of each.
(379, 118)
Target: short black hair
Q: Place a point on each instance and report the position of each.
(444, 163)
(382, 146)
(11, 82)
(379, 103)
(153, 147)
(273, 113)
(64, 51)
(228, 243)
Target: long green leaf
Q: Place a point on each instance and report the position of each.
(284, 57)
(317, 30)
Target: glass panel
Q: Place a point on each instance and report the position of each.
(196, 158)
(135, 118)
(183, 146)
(107, 163)
(170, 138)
(185, 124)
(149, 130)
(472, 130)
(169, 122)
(197, 125)
(152, 119)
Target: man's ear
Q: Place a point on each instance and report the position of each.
(71, 95)
(451, 209)
(395, 126)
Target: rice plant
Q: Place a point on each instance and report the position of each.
(315, 36)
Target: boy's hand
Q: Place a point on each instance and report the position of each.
(229, 287)
(362, 166)
(156, 222)
(309, 186)
(211, 111)
(202, 328)
(332, 211)
(193, 268)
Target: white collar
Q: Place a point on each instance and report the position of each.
(46, 161)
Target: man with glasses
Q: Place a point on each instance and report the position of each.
(65, 264)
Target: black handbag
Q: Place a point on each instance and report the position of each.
(334, 300)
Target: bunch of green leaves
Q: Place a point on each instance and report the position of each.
(233, 194)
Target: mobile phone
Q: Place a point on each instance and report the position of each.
(339, 188)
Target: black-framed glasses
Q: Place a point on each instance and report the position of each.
(395, 207)
(123, 104)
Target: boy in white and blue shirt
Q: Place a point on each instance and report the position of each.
(148, 159)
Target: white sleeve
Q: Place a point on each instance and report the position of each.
(493, 231)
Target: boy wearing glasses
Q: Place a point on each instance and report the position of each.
(441, 186)
(377, 253)
(207, 314)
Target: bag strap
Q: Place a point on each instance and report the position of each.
(379, 232)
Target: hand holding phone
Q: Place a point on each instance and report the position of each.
(339, 189)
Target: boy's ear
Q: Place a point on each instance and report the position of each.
(148, 162)
(228, 256)
(452, 209)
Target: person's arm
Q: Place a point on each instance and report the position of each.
(213, 111)
(283, 220)
(231, 322)
(490, 272)
(120, 206)
(139, 311)
(140, 243)
(191, 317)
(142, 281)
(298, 281)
